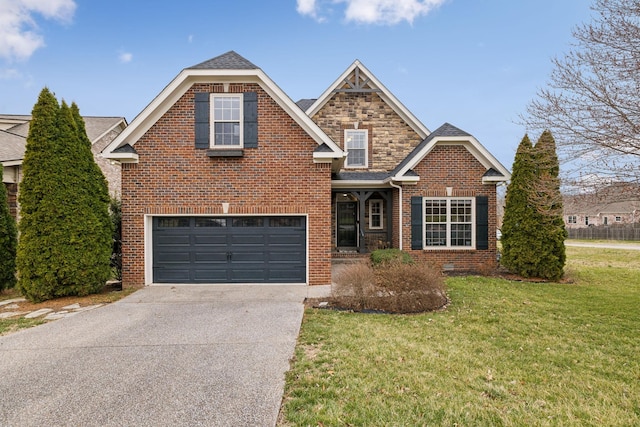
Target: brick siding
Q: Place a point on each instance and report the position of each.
(278, 177)
(452, 166)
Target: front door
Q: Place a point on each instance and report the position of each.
(347, 224)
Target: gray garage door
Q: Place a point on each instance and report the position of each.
(229, 250)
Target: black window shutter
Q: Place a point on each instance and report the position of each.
(202, 120)
(482, 222)
(417, 237)
(250, 120)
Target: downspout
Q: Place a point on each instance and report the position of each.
(399, 187)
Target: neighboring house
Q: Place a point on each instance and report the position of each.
(226, 180)
(610, 209)
(13, 139)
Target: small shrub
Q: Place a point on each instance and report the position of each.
(357, 278)
(396, 288)
(385, 256)
(411, 287)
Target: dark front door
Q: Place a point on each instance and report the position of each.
(347, 224)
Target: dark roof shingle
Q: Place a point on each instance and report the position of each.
(227, 61)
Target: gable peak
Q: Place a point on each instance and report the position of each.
(227, 61)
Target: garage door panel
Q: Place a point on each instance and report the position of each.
(290, 257)
(285, 275)
(247, 275)
(209, 240)
(229, 250)
(171, 240)
(174, 257)
(210, 257)
(210, 275)
(171, 275)
(286, 239)
(248, 257)
(247, 240)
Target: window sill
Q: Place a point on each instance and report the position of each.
(233, 152)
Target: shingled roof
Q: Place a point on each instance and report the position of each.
(227, 61)
(13, 140)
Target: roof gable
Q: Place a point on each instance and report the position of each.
(227, 61)
(448, 134)
(357, 78)
(229, 67)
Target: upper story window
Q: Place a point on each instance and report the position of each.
(226, 120)
(356, 143)
(449, 222)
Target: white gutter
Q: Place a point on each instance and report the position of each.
(399, 187)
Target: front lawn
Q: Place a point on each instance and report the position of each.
(502, 353)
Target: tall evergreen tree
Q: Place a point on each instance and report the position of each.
(520, 244)
(8, 242)
(547, 200)
(38, 204)
(533, 230)
(65, 244)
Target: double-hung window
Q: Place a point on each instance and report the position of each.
(449, 222)
(356, 143)
(226, 120)
(375, 214)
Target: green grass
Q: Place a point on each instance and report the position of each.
(502, 354)
(8, 326)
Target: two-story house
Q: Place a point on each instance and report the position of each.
(226, 180)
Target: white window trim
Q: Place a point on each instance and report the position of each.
(572, 219)
(448, 223)
(366, 149)
(212, 121)
(371, 214)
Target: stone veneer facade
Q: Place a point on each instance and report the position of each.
(390, 138)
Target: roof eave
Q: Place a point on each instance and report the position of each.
(9, 163)
(493, 179)
(477, 150)
(343, 184)
(122, 157)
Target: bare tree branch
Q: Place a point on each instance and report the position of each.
(592, 100)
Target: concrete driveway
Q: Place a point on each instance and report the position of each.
(179, 356)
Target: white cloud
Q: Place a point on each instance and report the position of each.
(19, 35)
(9, 74)
(310, 8)
(190, 38)
(125, 57)
(381, 12)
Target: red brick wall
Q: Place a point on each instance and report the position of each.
(279, 176)
(452, 166)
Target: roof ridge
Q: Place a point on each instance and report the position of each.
(230, 60)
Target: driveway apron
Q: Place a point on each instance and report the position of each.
(179, 356)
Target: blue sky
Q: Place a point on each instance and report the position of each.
(473, 63)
